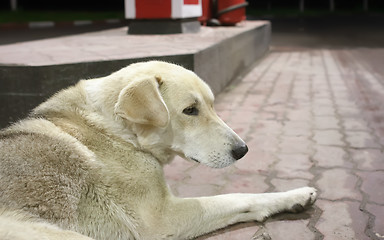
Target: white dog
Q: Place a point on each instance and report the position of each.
(88, 162)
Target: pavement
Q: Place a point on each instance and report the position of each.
(312, 115)
(310, 118)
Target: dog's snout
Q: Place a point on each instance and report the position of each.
(239, 152)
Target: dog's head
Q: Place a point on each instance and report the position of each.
(171, 108)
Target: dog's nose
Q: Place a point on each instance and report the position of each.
(239, 152)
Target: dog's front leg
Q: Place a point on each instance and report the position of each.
(249, 207)
(196, 216)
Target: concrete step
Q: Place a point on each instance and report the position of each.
(32, 71)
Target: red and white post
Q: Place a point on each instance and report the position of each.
(163, 16)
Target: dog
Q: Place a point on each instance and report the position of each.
(87, 163)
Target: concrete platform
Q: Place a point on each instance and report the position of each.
(32, 71)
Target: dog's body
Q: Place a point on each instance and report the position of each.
(89, 161)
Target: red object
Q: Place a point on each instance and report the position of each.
(207, 11)
(230, 12)
(191, 2)
(222, 12)
(153, 9)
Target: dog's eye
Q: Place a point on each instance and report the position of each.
(193, 111)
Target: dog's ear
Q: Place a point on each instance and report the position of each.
(141, 102)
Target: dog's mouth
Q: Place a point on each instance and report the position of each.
(194, 159)
(219, 163)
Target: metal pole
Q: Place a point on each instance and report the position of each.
(301, 5)
(14, 5)
(331, 5)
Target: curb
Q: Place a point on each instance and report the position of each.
(52, 24)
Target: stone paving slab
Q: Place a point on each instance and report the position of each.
(310, 118)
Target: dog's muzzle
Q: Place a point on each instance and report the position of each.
(239, 152)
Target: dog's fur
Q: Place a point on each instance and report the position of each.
(88, 162)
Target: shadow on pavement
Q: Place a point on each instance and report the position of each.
(328, 32)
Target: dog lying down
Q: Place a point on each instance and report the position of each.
(87, 163)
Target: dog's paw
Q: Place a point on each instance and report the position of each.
(301, 199)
